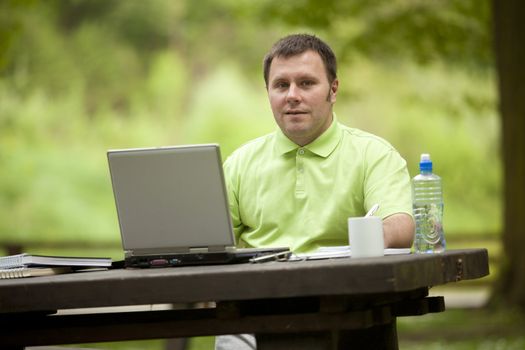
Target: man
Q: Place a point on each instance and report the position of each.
(296, 187)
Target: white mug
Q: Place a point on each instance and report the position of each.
(366, 236)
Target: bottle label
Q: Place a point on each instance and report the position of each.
(428, 220)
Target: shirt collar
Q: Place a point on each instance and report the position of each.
(283, 144)
(322, 146)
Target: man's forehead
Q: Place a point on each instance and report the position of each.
(307, 54)
(307, 63)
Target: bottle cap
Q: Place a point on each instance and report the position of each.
(425, 163)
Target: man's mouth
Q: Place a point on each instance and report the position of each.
(294, 112)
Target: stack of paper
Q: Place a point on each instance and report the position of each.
(340, 252)
(26, 265)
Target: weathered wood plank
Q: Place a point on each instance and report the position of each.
(241, 282)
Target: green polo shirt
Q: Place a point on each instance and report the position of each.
(301, 197)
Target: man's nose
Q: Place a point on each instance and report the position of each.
(293, 94)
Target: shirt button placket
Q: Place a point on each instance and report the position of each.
(299, 185)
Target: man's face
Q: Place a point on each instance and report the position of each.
(301, 96)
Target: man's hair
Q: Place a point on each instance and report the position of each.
(296, 44)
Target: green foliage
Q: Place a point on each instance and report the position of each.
(454, 31)
(225, 109)
(81, 77)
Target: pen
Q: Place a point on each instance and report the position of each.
(372, 210)
(271, 257)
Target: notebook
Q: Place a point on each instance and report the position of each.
(23, 272)
(340, 252)
(173, 209)
(26, 260)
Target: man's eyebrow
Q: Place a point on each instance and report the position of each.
(304, 76)
(308, 77)
(277, 78)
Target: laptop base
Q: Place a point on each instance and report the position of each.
(207, 258)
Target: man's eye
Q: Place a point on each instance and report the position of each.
(281, 85)
(307, 83)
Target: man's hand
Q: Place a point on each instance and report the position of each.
(398, 230)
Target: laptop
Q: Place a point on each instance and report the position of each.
(173, 209)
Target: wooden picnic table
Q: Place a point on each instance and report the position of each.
(326, 304)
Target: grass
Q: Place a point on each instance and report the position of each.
(463, 329)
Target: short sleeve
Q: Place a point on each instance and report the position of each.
(387, 181)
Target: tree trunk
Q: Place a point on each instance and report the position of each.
(509, 45)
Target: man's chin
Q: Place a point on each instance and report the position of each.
(297, 121)
(296, 124)
(297, 130)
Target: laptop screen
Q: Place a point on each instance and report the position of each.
(171, 197)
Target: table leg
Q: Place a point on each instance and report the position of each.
(376, 337)
(294, 341)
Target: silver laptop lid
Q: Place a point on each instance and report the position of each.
(171, 199)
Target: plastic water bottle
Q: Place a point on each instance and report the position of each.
(427, 197)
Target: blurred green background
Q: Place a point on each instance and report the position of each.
(80, 77)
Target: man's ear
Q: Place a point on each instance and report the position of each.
(333, 90)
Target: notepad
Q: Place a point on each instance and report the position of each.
(25, 260)
(340, 252)
(22, 272)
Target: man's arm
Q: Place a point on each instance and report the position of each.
(398, 230)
